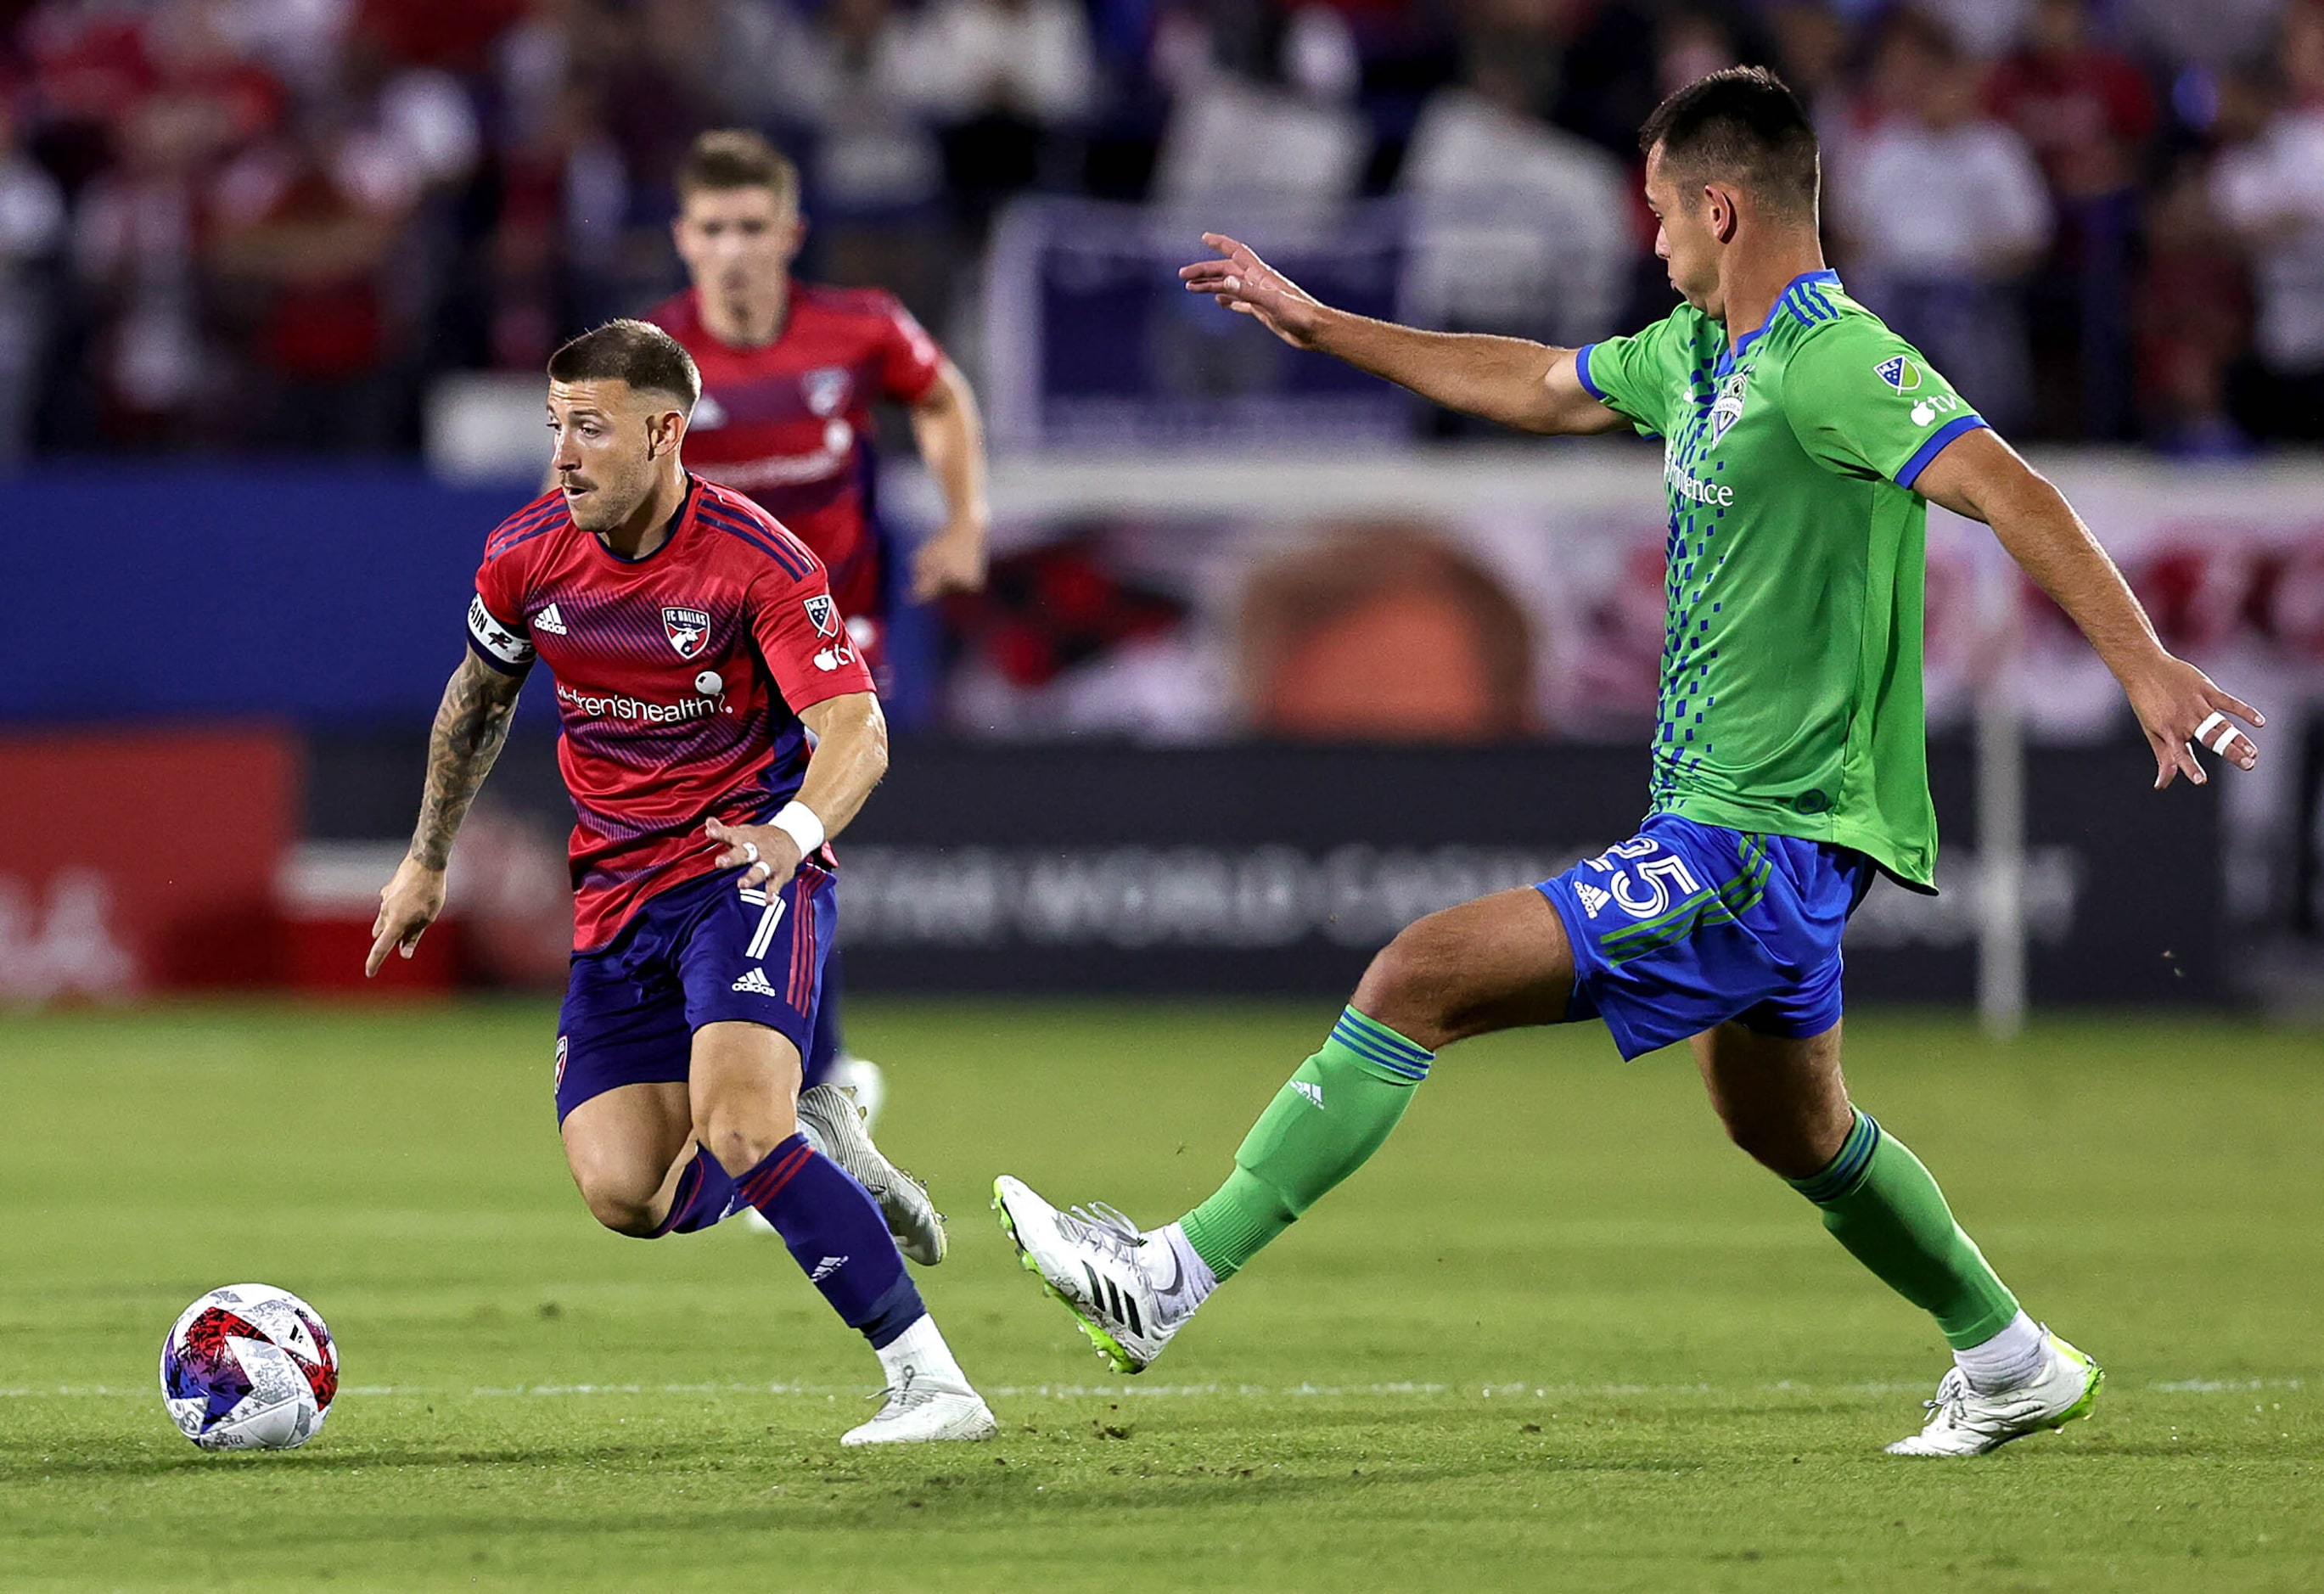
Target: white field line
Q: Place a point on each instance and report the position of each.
(1503, 1391)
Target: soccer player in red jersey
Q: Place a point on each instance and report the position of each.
(696, 646)
(789, 373)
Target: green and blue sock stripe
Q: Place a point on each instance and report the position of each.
(1726, 904)
(1845, 1171)
(1384, 1048)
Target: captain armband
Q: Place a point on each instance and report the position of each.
(508, 651)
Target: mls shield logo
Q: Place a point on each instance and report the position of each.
(686, 629)
(1728, 407)
(1899, 373)
(827, 389)
(823, 616)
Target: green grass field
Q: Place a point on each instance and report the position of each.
(1558, 1335)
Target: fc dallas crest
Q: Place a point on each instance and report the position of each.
(687, 630)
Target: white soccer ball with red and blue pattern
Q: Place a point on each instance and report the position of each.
(249, 1367)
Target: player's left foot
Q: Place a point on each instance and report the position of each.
(1963, 1422)
(833, 1121)
(917, 1411)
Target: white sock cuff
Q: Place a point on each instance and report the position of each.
(922, 1348)
(1196, 1279)
(2011, 1358)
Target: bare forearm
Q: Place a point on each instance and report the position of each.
(1501, 378)
(1980, 477)
(472, 726)
(1528, 385)
(950, 434)
(2051, 543)
(851, 756)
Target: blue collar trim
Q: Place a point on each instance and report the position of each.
(1792, 298)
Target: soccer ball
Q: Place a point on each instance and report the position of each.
(249, 1367)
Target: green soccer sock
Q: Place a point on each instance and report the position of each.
(1321, 1127)
(1882, 1205)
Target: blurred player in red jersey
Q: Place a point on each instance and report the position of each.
(789, 373)
(695, 647)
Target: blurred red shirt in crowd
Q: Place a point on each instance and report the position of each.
(2086, 111)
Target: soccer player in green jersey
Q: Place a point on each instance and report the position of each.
(1803, 441)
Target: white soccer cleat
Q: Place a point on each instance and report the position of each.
(921, 1411)
(863, 1080)
(1963, 1422)
(1091, 1260)
(834, 1123)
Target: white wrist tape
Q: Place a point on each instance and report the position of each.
(2215, 721)
(798, 822)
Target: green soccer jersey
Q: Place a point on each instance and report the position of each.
(1790, 671)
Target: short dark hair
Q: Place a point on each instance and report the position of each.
(636, 352)
(729, 158)
(1743, 122)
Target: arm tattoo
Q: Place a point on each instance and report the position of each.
(472, 724)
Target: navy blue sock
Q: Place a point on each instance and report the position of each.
(835, 1233)
(705, 1195)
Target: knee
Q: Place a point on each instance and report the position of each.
(1409, 985)
(739, 1138)
(621, 1209)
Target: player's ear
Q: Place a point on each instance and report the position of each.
(1722, 216)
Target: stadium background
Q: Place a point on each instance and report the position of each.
(1273, 660)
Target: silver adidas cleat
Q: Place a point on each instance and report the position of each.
(920, 1410)
(830, 1117)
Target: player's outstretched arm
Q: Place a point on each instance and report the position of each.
(950, 434)
(1980, 477)
(1527, 385)
(472, 726)
(850, 755)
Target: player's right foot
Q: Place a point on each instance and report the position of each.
(920, 1410)
(835, 1124)
(1963, 1422)
(1095, 1262)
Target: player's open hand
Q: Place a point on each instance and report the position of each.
(953, 560)
(760, 851)
(408, 905)
(2180, 709)
(1248, 286)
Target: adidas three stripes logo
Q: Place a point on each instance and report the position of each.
(1106, 1296)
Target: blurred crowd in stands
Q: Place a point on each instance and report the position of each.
(268, 224)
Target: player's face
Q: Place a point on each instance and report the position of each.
(1683, 239)
(610, 442)
(738, 244)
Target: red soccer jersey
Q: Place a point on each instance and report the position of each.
(790, 423)
(679, 681)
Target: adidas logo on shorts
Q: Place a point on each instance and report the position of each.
(754, 983)
(826, 1268)
(1309, 1088)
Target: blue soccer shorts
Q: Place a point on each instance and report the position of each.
(1687, 925)
(705, 952)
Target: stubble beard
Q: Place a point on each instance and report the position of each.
(602, 509)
